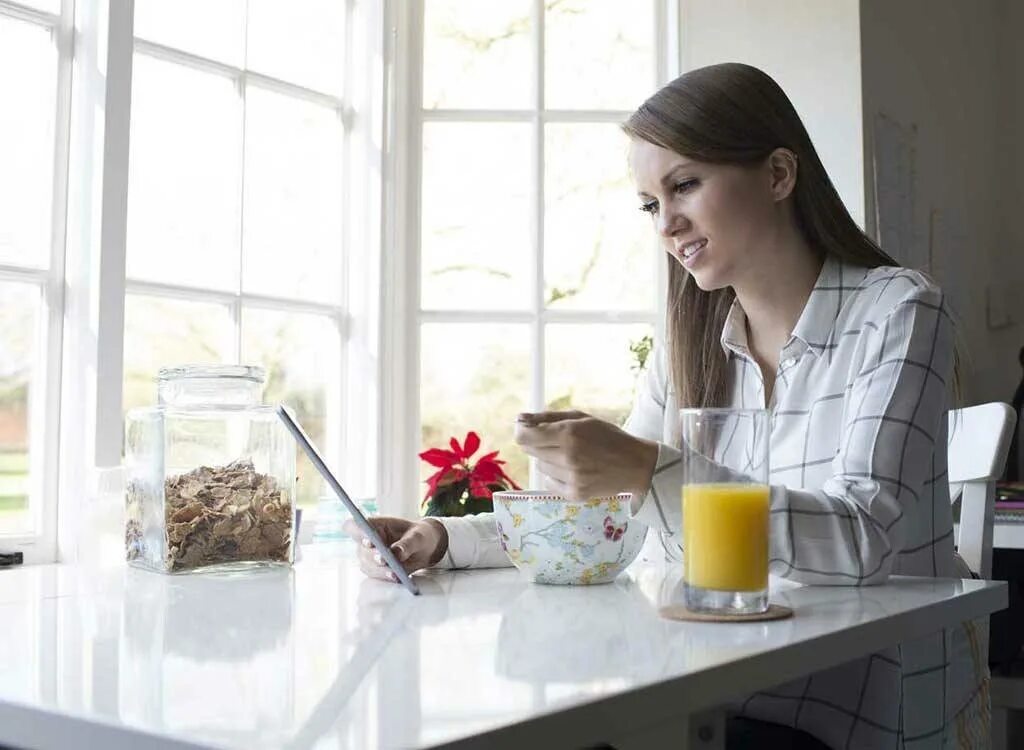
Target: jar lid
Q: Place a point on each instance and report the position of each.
(241, 372)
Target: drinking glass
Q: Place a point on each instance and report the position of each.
(725, 500)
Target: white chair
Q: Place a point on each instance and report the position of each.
(979, 439)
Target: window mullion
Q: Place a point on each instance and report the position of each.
(666, 40)
(399, 336)
(46, 414)
(413, 243)
(247, 300)
(90, 427)
(113, 233)
(236, 303)
(343, 446)
(235, 350)
(206, 65)
(528, 317)
(17, 273)
(668, 60)
(31, 15)
(538, 332)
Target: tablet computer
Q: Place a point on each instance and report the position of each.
(357, 515)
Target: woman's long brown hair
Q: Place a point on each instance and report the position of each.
(736, 114)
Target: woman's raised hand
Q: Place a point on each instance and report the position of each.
(583, 457)
(417, 544)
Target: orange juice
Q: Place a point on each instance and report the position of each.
(725, 536)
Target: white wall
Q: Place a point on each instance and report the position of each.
(955, 71)
(812, 49)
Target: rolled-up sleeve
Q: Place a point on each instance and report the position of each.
(472, 543)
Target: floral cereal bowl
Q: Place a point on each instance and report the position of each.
(554, 540)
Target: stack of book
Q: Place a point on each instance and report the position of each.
(1010, 502)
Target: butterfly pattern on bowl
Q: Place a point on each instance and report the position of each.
(563, 542)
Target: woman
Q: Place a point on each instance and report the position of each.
(777, 300)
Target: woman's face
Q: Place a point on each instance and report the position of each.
(712, 218)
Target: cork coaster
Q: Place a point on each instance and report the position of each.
(679, 612)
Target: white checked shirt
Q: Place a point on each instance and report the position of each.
(859, 491)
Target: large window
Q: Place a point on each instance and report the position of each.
(221, 169)
(239, 210)
(537, 273)
(34, 94)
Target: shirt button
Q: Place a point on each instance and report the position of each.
(788, 361)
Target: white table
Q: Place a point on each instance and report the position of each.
(319, 657)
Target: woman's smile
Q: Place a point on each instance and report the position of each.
(690, 253)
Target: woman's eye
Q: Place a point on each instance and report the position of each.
(651, 207)
(682, 187)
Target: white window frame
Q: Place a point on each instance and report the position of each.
(77, 416)
(402, 313)
(91, 430)
(44, 407)
(236, 301)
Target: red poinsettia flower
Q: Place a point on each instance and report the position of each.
(454, 466)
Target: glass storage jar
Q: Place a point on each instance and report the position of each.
(210, 474)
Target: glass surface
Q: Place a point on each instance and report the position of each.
(591, 368)
(208, 487)
(292, 233)
(476, 236)
(163, 331)
(183, 194)
(210, 385)
(599, 252)
(214, 30)
(474, 376)
(20, 307)
(477, 55)
(598, 54)
(301, 355)
(725, 502)
(299, 41)
(28, 102)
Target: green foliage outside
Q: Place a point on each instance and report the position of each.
(13, 483)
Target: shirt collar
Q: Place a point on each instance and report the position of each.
(813, 330)
(734, 332)
(836, 282)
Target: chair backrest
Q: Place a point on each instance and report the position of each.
(979, 439)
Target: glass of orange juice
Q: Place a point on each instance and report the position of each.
(725, 509)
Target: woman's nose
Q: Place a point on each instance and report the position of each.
(670, 223)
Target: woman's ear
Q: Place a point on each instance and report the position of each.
(782, 165)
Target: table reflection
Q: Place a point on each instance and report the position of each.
(197, 651)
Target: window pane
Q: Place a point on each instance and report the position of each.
(591, 368)
(214, 30)
(160, 332)
(476, 240)
(477, 55)
(599, 251)
(302, 355)
(301, 41)
(293, 197)
(474, 376)
(28, 100)
(19, 337)
(598, 54)
(184, 185)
